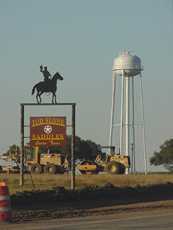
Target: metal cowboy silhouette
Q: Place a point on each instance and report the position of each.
(45, 73)
(47, 86)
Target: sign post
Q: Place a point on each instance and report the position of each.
(21, 182)
(73, 149)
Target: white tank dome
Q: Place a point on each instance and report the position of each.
(131, 64)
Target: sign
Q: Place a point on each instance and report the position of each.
(48, 131)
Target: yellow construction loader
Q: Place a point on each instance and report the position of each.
(114, 163)
(47, 163)
(89, 167)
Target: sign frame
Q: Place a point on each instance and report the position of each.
(22, 135)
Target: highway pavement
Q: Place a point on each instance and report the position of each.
(134, 220)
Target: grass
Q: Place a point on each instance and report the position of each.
(49, 181)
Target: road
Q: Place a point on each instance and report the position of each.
(150, 220)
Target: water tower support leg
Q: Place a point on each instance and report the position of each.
(143, 126)
(122, 111)
(127, 118)
(112, 108)
(133, 127)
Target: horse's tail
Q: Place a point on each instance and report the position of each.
(33, 89)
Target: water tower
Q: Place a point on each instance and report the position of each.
(126, 68)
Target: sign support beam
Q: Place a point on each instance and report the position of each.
(73, 149)
(21, 182)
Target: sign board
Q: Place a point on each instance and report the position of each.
(48, 131)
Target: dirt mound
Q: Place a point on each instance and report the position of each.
(60, 202)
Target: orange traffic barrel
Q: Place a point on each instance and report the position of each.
(5, 205)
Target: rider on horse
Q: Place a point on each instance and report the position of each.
(45, 73)
(47, 86)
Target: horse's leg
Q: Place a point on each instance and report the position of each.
(39, 99)
(40, 96)
(54, 98)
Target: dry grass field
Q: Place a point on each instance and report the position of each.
(46, 181)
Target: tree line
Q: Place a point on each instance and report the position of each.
(84, 150)
(88, 150)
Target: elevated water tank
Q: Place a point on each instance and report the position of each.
(131, 64)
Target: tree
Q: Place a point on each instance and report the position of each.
(164, 156)
(13, 153)
(85, 149)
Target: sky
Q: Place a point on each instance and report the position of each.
(80, 39)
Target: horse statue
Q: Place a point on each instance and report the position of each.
(49, 86)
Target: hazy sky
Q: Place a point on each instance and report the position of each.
(80, 39)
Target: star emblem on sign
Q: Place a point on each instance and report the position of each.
(47, 129)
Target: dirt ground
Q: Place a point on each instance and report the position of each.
(150, 215)
(38, 206)
(20, 216)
